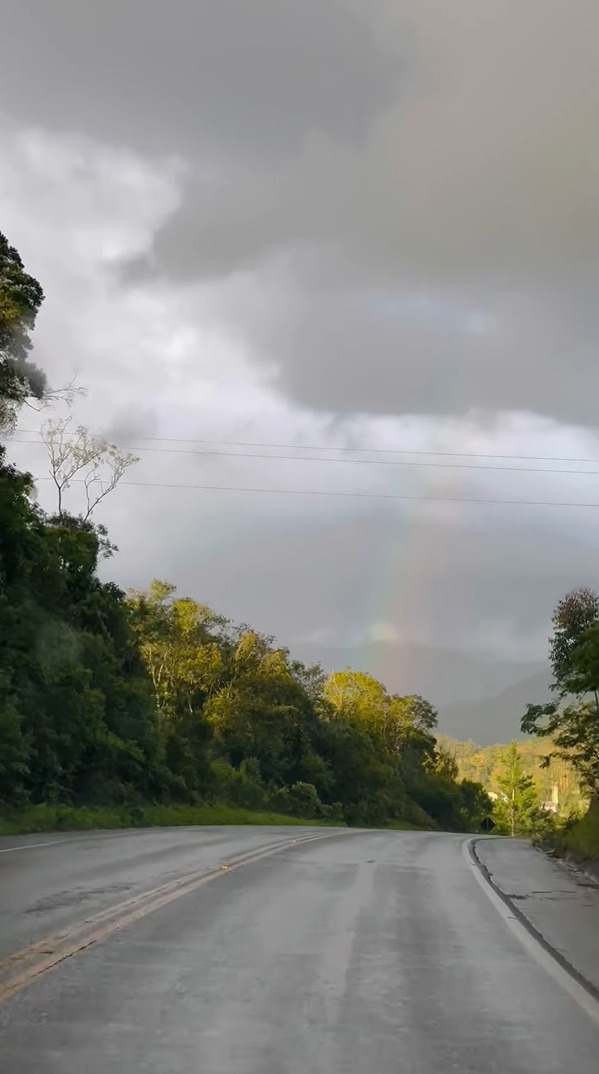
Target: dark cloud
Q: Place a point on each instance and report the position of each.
(396, 200)
(408, 249)
(385, 347)
(130, 424)
(225, 77)
(484, 579)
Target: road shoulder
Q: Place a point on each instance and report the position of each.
(559, 905)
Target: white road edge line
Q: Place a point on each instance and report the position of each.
(533, 947)
(32, 846)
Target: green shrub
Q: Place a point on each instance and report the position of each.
(304, 801)
(581, 837)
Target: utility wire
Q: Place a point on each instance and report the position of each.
(351, 495)
(354, 450)
(368, 462)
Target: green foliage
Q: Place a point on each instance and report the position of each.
(475, 806)
(574, 615)
(20, 299)
(572, 720)
(517, 807)
(580, 836)
(548, 772)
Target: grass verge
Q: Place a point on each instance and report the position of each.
(57, 818)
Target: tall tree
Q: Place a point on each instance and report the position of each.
(178, 644)
(517, 808)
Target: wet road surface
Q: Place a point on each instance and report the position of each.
(49, 881)
(374, 951)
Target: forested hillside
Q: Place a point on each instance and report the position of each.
(484, 764)
(109, 698)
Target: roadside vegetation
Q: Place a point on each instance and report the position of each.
(579, 837)
(557, 776)
(62, 818)
(520, 788)
(150, 707)
(571, 720)
(558, 767)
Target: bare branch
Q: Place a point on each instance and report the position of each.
(75, 452)
(99, 485)
(68, 395)
(46, 399)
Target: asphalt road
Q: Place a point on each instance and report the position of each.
(361, 952)
(50, 881)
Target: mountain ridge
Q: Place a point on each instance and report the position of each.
(496, 718)
(446, 677)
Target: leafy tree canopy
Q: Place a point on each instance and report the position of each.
(20, 299)
(572, 720)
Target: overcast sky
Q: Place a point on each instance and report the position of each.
(328, 224)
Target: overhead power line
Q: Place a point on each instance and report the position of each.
(350, 495)
(404, 463)
(353, 450)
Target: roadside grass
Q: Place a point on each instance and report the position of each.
(63, 818)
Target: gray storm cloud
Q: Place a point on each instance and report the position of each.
(224, 79)
(398, 200)
(431, 580)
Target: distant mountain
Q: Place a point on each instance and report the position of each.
(495, 719)
(444, 676)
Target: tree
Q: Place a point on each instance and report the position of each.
(265, 711)
(572, 721)
(423, 716)
(179, 645)
(178, 648)
(476, 804)
(517, 808)
(357, 694)
(75, 712)
(73, 452)
(20, 299)
(574, 614)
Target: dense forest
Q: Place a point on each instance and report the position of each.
(113, 698)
